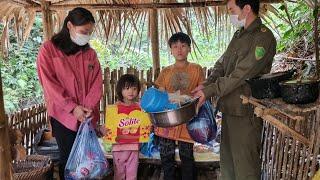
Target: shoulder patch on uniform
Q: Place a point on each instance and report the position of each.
(263, 29)
(259, 52)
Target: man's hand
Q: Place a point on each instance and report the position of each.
(202, 98)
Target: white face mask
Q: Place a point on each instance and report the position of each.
(236, 22)
(80, 39)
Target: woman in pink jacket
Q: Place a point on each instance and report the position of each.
(70, 74)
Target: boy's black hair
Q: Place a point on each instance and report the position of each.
(125, 81)
(78, 17)
(180, 36)
(255, 5)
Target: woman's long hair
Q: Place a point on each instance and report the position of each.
(78, 17)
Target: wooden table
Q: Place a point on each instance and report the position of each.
(204, 160)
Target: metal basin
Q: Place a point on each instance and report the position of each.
(175, 117)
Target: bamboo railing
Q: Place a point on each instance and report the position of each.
(291, 138)
(29, 121)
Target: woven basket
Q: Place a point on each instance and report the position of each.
(35, 167)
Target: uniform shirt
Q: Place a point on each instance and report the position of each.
(249, 54)
(122, 108)
(69, 81)
(185, 79)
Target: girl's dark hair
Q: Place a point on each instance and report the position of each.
(78, 17)
(127, 81)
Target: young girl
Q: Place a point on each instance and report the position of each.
(126, 155)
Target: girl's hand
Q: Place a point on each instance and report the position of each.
(102, 131)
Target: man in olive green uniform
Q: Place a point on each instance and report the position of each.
(249, 54)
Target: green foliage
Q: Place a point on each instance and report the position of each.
(115, 56)
(301, 16)
(19, 77)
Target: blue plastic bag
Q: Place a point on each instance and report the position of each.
(203, 128)
(150, 149)
(86, 160)
(154, 100)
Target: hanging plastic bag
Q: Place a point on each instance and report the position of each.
(86, 160)
(203, 128)
(150, 149)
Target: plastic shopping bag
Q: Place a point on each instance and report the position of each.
(86, 160)
(150, 149)
(203, 128)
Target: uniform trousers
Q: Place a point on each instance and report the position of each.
(240, 148)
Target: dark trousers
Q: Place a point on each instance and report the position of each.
(65, 138)
(167, 154)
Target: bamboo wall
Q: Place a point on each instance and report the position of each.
(287, 157)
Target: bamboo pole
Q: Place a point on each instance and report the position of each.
(154, 39)
(141, 6)
(281, 126)
(46, 19)
(316, 35)
(254, 102)
(5, 156)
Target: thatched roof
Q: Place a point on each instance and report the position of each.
(116, 17)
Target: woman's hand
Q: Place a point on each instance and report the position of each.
(81, 113)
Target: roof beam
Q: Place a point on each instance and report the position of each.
(142, 6)
(19, 2)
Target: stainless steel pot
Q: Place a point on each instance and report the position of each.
(175, 117)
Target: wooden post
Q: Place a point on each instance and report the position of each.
(47, 20)
(154, 32)
(316, 35)
(5, 155)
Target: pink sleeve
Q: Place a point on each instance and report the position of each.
(95, 93)
(51, 86)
